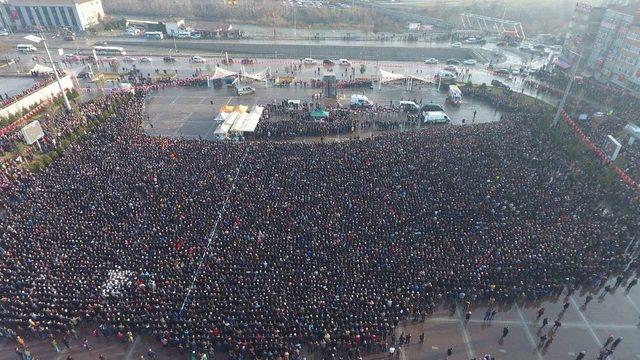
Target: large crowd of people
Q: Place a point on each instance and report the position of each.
(285, 121)
(259, 248)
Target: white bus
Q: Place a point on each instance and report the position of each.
(109, 50)
(26, 48)
(154, 35)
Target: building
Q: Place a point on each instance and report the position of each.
(25, 15)
(609, 40)
(582, 33)
(626, 70)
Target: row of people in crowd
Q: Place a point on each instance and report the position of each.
(260, 248)
(43, 79)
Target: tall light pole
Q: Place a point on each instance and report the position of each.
(37, 40)
(556, 117)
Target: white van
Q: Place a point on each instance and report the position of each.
(26, 48)
(360, 101)
(435, 117)
(245, 90)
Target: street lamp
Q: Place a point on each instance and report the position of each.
(37, 40)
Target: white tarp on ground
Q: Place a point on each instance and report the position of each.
(259, 76)
(386, 76)
(249, 122)
(41, 69)
(221, 73)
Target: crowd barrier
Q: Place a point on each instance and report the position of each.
(622, 175)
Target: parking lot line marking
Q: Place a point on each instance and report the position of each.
(434, 348)
(571, 354)
(527, 331)
(465, 336)
(502, 351)
(633, 304)
(584, 318)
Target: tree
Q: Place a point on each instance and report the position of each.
(363, 69)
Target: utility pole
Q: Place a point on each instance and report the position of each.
(41, 38)
(556, 117)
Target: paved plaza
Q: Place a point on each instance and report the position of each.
(190, 112)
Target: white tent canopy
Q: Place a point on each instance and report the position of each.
(259, 76)
(386, 76)
(221, 73)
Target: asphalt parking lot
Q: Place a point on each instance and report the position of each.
(190, 112)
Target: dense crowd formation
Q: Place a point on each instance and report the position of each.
(285, 121)
(259, 248)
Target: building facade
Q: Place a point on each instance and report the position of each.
(627, 67)
(582, 33)
(26, 15)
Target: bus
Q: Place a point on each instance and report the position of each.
(26, 48)
(154, 35)
(109, 50)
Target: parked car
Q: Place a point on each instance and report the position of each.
(327, 62)
(197, 59)
(128, 59)
(344, 62)
(456, 45)
(4, 32)
(247, 61)
(70, 37)
(452, 68)
(470, 62)
(146, 59)
(196, 35)
(169, 59)
(453, 62)
(502, 71)
(309, 61)
(499, 84)
(431, 61)
(245, 90)
(229, 62)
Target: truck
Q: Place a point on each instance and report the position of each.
(434, 114)
(360, 101)
(455, 95)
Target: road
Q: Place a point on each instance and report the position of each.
(365, 50)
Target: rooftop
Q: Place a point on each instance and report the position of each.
(45, 2)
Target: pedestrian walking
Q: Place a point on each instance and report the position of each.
(540, 313)
(421, 338)
(631, 284)
(587, 300)
(545, 321)
(581, 355)
(505, 332)
(609, 341)
(616, 342)
(54, 344)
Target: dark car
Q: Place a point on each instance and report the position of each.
(499, 84)
(454, 62)
(327, 62)
(247, 61)
(169, 59)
